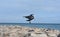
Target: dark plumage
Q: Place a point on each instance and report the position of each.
(30, 17)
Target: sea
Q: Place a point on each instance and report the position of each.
(37, 25)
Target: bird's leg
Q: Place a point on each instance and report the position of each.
(30, 22)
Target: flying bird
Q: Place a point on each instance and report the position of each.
(30, 17)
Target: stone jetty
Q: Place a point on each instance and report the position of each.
(23, 31)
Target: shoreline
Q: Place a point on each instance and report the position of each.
(37, 25)
(28, 26)
(22, 31)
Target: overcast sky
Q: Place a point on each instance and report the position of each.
(45, 11)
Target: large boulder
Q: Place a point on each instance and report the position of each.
(58, 35)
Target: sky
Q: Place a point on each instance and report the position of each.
(45, 11)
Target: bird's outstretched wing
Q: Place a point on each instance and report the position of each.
(27, 17)
(28, 20)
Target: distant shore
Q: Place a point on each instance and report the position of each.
(23, 31)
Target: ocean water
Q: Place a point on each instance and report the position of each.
(38, 25)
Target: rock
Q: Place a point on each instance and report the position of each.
(58, 35)
(21, 31)
(39, 35)
(30, 30)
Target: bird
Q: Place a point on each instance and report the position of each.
(30, 17)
